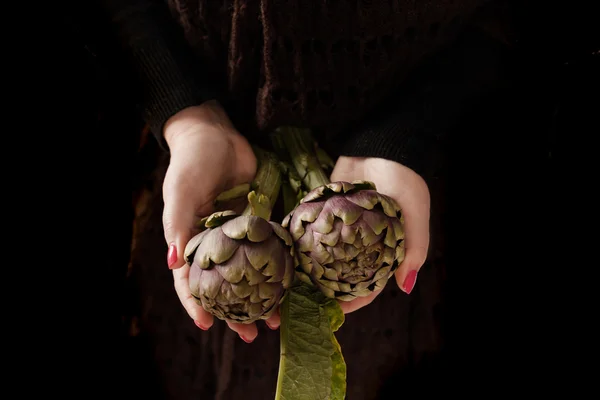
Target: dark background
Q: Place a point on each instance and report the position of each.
(514, 223)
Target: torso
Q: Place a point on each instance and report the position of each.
(320, 63)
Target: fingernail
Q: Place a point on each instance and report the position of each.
(271, 327)
(409, 281)
(246, 340)
(172, 255)
(199, 325)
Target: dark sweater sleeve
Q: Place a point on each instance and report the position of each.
(169, 74)
(413, 121)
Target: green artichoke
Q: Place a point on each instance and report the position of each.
(240, 266)
(348, 237)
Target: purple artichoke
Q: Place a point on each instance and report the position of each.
(348, 237)
(240, 266)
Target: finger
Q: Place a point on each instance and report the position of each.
(179, 219)
(360, 302)
(247, 332)
(201, 318)
(274, 321)
(416, 242)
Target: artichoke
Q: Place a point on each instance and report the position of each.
(348, 237)
(240, 266)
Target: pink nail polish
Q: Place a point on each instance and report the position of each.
(269, 326)
(246, 340)
(409, 281)
(200, 326)
(172, 255)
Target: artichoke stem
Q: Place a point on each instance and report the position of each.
(265, 186)
(301, 149)
(233, 193)
(290, 198)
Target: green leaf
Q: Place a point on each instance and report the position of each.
(338, 378)
(311, 364)
(335, 314)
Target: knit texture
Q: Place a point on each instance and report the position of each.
(169, 77)
(338, 67)
(317, 64)
(411, 124)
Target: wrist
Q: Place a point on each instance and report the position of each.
(207, 117)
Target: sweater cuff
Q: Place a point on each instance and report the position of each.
(411, 125)
(168, 72)
(168, 86)
(402, 138)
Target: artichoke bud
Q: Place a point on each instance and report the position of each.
(349, 238)
(240, 266)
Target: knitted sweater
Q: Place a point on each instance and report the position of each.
(339, 67)
(378, 78)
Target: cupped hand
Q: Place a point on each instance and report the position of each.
(412, 195)
(208, 156)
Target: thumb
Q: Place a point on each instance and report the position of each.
(179, 219)
(416, 211)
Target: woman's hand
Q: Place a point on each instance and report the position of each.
(411, 192)
(208, 156)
